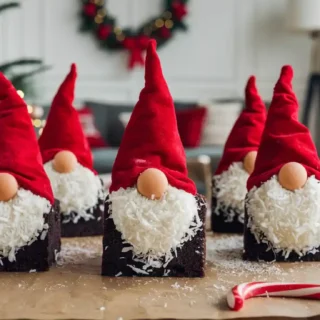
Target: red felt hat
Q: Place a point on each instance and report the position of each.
(151, 138)
(63, 130)
(246, 133)
(20, 154)
(284, 139)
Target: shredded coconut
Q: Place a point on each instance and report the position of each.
(288, 220)
(230, 189)
(225, 255)
(75, 253)
(154, 228)
(77, 191)
(21, 221)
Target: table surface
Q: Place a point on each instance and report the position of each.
(75, 290)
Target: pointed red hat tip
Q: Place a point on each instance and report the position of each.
(73, 69)
(152, 46)
(285, 79)
(246, 133)
(287, 71)
(251, 85)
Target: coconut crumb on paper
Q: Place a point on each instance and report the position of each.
(77, 251)
(225, 255)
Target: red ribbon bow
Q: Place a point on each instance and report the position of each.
(136, 46)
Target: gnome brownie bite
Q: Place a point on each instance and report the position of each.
(29, 218)
(68, 162)
(282, 220)
(154, 218)
(229, 183)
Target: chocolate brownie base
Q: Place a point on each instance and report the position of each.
(221, 223)
(40, 255)
(189, 261)
(83, 228)
(254, 251)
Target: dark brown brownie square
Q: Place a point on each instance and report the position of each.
(254, 251)
(40, 255)
(189, 261)
(219, 220)
(83, 228)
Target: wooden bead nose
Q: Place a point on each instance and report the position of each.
(64, 161)
(249, 161)
(152, 183)
(8, 186)
(292, 176)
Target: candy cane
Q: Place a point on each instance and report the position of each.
(241, 292)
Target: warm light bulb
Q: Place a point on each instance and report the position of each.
(169, 24)
(167, 15)
(159, 23)
(20, 93)
(120, 37)
(37, 112)
(30, 109)
(98, 19)
(117, 30)
(37, 123)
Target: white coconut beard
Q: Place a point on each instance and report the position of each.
(155, 228)
(78, 191)
(21, 222)
(230, 189)
(289, 220)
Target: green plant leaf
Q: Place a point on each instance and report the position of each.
(21, 62)
(9, 5)
(23, 76)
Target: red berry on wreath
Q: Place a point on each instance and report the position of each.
(104, 31)
(179, 10)
(164, 32)
(90, 9)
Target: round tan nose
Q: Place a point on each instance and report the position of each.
(249, 161)
(292, 176)
(8, 186)
(64, 162)
(152, 183)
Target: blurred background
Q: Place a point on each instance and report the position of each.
(206, 65)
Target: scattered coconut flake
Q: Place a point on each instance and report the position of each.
(287, 221)
(137, 270)
(118, 274)
(165, 305)
(74, 253)
(176, 285)
(225, 255)
(126, 249)
(230, 189)
(77, 192)
(22, 221)
(150, 227)
(43, 234)
(102, 308)
(33, 271)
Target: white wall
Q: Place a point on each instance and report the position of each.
(227, 41)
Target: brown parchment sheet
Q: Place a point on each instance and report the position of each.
(75, 290)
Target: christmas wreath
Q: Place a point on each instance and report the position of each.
(96, 18)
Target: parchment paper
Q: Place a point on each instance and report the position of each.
(75, 289)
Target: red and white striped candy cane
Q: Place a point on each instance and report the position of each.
(241, 292)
